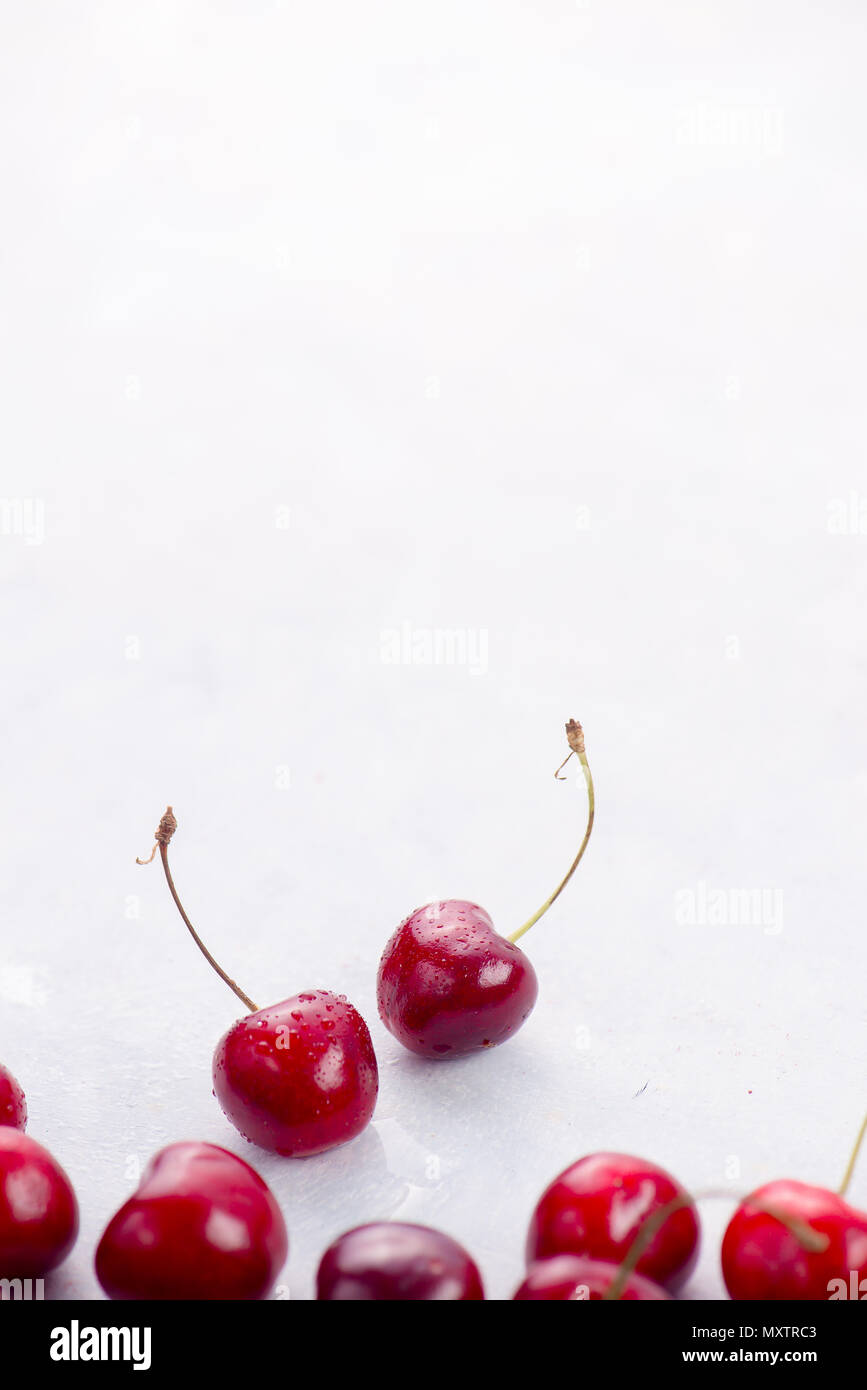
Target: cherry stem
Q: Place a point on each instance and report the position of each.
(808, 1238)
(853, 1158)
(164, 832)
(575, 739)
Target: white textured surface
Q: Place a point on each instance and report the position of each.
(544, 323)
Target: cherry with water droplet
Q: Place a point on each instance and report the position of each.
(449, 984)
(298, 1077)
(202, 1224)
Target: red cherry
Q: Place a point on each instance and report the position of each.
(13, 1106)
(448, 983)
(38, 1209)
(201, 1224)
(577, 1278)
(391, 1260)
(821, 1238)
(298, 1077)
(597, 1207)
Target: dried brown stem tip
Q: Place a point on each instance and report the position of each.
(574, 737)
(575, 740)
(163, 833)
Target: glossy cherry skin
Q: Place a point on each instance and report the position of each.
(202, 1224)
(449, 984)
(392, 1260)
(299, 1077)
(597, 1206)
(13, 1106)
(762, 1258)
(576, 1278)
(38, 1208)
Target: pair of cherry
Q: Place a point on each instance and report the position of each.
(300, 1076)
(297, 1078)
(614, 1226)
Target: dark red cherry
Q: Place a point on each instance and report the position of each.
(576, 1278)
(449, 984)
(202, 1224)
(392, 1260)
(597, 1207)
(791, 1241)
(299, 1077)
(13, 1106)
(38, 1208)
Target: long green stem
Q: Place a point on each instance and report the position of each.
(575, 737)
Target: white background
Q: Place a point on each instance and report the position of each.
(541, 322)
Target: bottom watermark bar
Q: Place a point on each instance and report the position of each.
(140, 1339)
